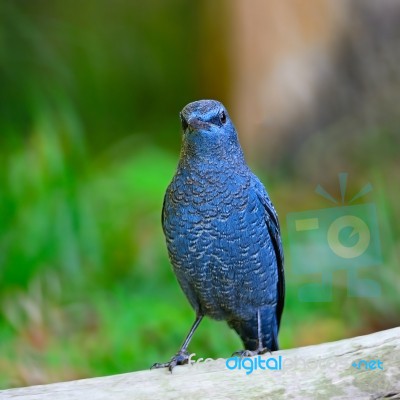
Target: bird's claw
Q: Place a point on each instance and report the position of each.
(180, 358)
(251, 353)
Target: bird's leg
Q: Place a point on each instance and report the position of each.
(260, 349)
(182, 356)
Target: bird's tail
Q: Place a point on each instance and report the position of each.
(248, 330)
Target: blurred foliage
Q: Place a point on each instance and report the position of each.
(89, 141)
(118, 63)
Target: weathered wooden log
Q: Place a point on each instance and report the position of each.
(365, 367)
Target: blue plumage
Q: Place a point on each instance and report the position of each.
(222, 233)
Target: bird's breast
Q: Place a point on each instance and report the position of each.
(207, 194)
(217, 240)
(204, 212)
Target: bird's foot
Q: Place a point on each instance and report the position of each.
(251, 353)
(179, 358)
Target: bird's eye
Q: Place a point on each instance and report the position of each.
(183, 122)
(222, 117)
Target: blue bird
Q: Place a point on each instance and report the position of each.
(222, 234)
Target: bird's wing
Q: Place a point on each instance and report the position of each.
(271, 219)
(163, 212)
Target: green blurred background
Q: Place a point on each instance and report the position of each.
(89, 140)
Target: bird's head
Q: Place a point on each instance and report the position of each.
(208, 130)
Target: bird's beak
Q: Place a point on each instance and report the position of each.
(196, 124)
